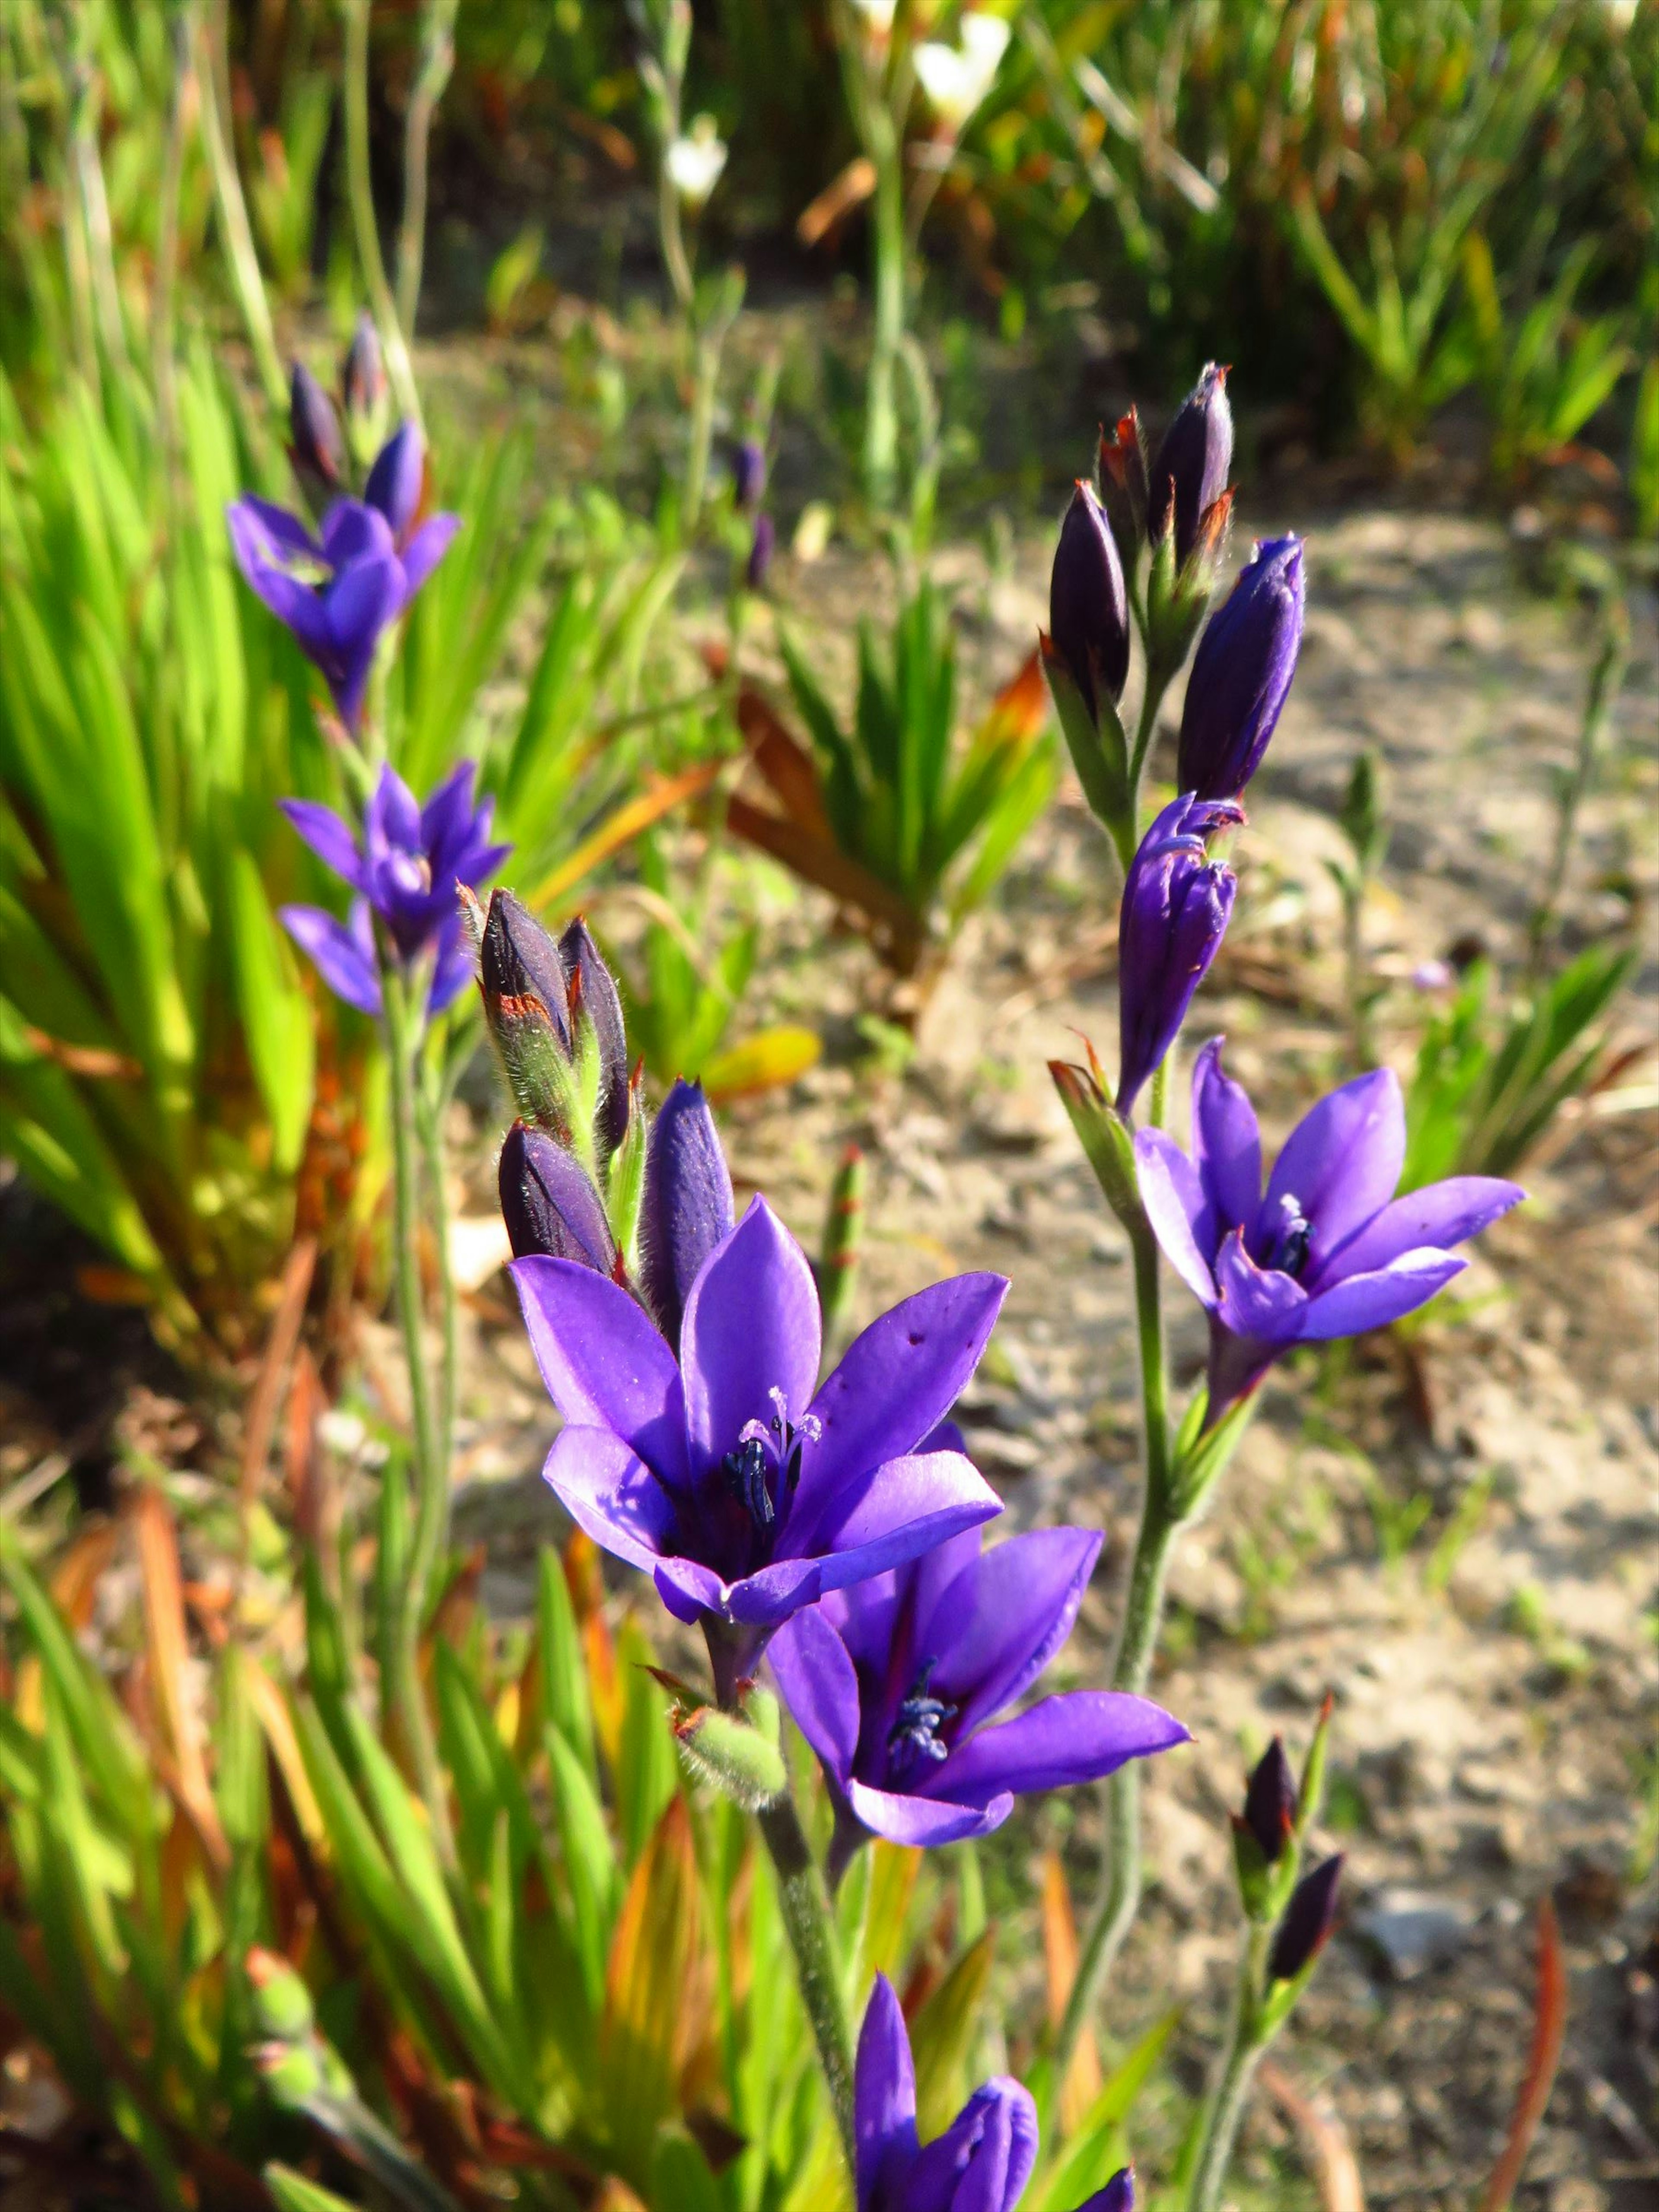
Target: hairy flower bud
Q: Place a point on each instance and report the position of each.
(1309, 1919)
(1242, 673)
(397, 481)
(1088, 606)
(688, 1207)
(1270, 1804)
(593, 996)
(526, 1010)
(1123, 487)
(1189, 473)
(1176, 904)
(549, 1202)
(316, 444)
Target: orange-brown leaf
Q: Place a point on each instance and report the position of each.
(620, 827)
(1059, 1949)
(649, 2027)
(168, 1646)
(1549, 2035)
(780, 757)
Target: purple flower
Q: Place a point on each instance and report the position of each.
(742, 1487)
(341, 590)
(749, 475)
(1190, 472)
(763, 546)
(1242, 673)
(982, 2161)
(1175, 907)
(1088, 604)
(897, 1685)
(406, 872)
(1329, 1251)
(688, 1207)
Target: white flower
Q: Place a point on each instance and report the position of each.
(956, 79)
(694, 162)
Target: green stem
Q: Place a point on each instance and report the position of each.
(1246, 2042)
(360, 191)
(1157, 685)
(881, 412)
(1143, 1615)
(431, 1107)
(164, 294)
(437, 60)
(806, 1906)
(706, 348)
(431, 1475)
(236, 232)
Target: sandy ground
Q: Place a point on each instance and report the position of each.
(1460, 1545)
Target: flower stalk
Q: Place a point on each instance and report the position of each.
(360, 193)
(437, 60)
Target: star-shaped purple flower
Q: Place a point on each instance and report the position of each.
(982, 2161)
(1329, 1251)
(406, 872)
(341, 590)
(896, 1684)
(729, 1476)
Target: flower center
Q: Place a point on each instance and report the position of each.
(915, 1733)
(1288, 1253)
(763, 1471)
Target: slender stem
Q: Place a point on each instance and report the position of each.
(806, 1906)
(1143, 1614)
(671, 231)
(431, 1104)
(164, 295)
(1156, 684)
(236, 232)
(1225, 2108)
(360, 191)
(706, 348)
(437, 60)
(881, 414)
(403, 1034)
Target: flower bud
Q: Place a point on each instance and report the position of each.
(396, 482)
(1123, 489)
(1176, 904)
(1118, 2195)
(1309, 1919)
(363, 387)
(592, 995)
(688, 1207)
(316, 446)
(549, 1202)
(527, 1010)
(282, 2004)
(741, 1761)
(1189, 473)
(1242, 673)
(1270, 1802)
(749, 476)
(1088, 606)
(763, 545)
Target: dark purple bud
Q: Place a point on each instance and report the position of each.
(1088, 606)
(362, 373)
(1309, 1919)
(688, 1202)
(1242, 673)
(1118, 2195)
(749, 476)
(1270, 1802)
(523, 976)
(1189, 473)
(396, 482)
(1123, 483)
(549, 1202)
(1176, 904)
(764, 546)
(593, 992)
(317, 444)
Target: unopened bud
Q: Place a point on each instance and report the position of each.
(688, 1205)
(549, 1202)
(1189, 473)
(526, 1002)
(763, 546)
(749, 476)
(1270, 1803)
(1242, 673)
(363, 386)
(1088, 605)
(595, 998)
(741, 1760)
(316, 444)
(1309, 1919)
(1123, 488)
(396, 482)
(281, 2003)
(1118, 2195)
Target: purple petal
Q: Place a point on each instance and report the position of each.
(908, 1505)
(820, 1688)
(883, 2099)
(392, 820)
(359, 607)
(688, 1590)
(262, 531)
(751, 1326)
(896, 1382)
(983, 2161)
(354, 532)
(610, 1493)
(1370, 1301)
(296, 605)
(338, 954)
(994, 1634)
(329, 838)
(447, 820)
(1340, 1163)
(1226, 1143)
(1259, 1302)
(773, 1594)
(1183, 1219)
(425, 549)
(923, 1822)
(1078, 1736)
(604, 1364)
(397, 478)
(1118, 2195)
(455, 969)
(1441, 1215)
(687, 1209)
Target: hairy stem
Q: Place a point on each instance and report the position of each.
(806, 1906)
(1225, 2108)
(360, 193)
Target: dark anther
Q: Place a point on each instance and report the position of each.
(1290, 1251)
(746, 1470)
(914, 1732)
